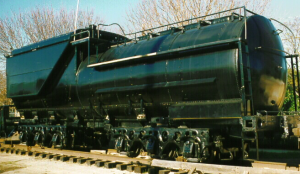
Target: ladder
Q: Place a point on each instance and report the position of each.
(249, 128)
(246, 84)
(249, 133)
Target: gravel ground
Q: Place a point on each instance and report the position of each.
(11, 163)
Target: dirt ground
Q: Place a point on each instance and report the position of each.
(11, 164)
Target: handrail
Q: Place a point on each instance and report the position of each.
(87, 31)
(187, 20)
(294, 38)
(107, 25)
(88, 37)
(245, 19)
(292, 63)
(114, 61)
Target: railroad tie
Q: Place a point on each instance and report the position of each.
(122, 166)
(64, 158)
(17, 151)
(90, 162)
(43, 155)
(73, 159)
(140, 169)
(110, 165)
(56, 157)
(36, 154)
(130, 168)
(100, 163)
(49, 156)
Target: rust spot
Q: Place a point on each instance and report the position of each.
(274, 90)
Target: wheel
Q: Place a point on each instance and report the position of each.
(170, 153)
(135, 149)
(134, 153)
(210, 155)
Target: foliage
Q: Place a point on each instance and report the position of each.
(288, 104)
(3, 99)
(292, 46)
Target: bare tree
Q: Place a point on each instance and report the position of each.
(152, 13)
(22, 29)
(292, 40)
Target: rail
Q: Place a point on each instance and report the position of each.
(142, 165)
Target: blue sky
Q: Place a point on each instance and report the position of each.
(111, 10)
(285, 9)
(115, 10)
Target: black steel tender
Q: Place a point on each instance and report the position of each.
(195, 91)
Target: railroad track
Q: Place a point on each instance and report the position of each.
(143, 165)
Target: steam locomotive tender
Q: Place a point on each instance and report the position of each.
(202, 91)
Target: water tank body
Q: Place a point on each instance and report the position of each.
(210, 74)
(190, 73)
